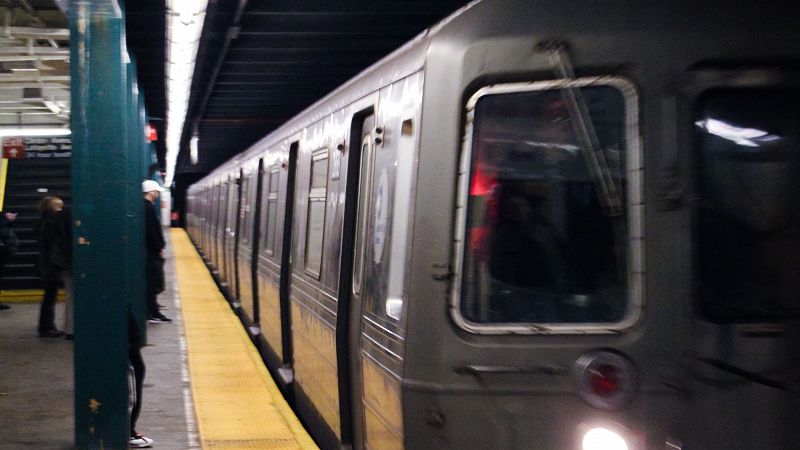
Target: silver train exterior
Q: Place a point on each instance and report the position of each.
(546, 224)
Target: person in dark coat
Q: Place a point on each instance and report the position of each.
(8, 243)
(135, 344)
(61, 257)
(154, 244)
(51, 274)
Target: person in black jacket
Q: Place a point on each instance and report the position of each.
(8, 243)
(61, 257)
(135, 344)
(154, 244)
(48, 207)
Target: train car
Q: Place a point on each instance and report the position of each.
(552, 224)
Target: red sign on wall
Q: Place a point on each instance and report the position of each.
(14, 147)
(150, 132)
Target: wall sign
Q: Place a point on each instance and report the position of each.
(48, 147)
(14, 147)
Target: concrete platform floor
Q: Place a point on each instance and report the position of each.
(36, 381)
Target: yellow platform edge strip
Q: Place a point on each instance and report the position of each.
(3, 177)
(25, 295)
(236, 402)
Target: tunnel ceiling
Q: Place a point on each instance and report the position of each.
(262, 64)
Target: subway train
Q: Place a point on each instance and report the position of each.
(551, 224)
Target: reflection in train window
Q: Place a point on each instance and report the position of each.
(749, 217)
(546, 239)
(315, 226)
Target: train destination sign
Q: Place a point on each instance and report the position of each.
(18, 147)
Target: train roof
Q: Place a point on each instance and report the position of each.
(680, 33)
(399, 64)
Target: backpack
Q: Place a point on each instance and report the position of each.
(9, 243)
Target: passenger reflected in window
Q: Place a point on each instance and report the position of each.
(526, 262)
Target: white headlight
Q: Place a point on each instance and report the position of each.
(603, 439)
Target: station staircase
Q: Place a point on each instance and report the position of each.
(27, 181)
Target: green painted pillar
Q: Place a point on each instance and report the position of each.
(136, 173)
(102, 249)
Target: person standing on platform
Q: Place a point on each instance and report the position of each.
(51, 274)
(135, 344)
(154, 243)
(61, 257)
(8, 243)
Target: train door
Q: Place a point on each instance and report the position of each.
(375, 336)
(746, 335)
(286, 260)
(215, 236)
(359, 182)
(243, 248)
(257, 210)
(222, 220)
(232, 208)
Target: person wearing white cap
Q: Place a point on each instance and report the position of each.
(154, 243)
(154, 270)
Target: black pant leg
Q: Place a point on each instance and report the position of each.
(47, 311)
(135, 357)
(154, 278)
(152, 302)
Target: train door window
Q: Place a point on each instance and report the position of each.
(272, 209)
(265, 175)
(220, 218)
(749, 215)
(231, 206)
(315, 225)
(245, 213)
(251, 204)
(550, 174)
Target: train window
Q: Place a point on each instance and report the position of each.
(230, 207)
(270, 213)
(748, 236)
(315, 226)
(244, 218)
(272, 210)
(545, 242)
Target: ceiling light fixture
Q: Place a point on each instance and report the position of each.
(26, 131)
(184, 25)
(193, 150)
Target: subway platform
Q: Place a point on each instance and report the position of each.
(205, 388)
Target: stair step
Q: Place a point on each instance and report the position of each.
(24, 179)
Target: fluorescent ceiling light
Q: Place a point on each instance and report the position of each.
(184, 25)
(748, 137)
(18, 131)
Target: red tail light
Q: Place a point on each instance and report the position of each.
(606, 379)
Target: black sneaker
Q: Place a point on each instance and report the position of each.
(159, 318)
(51, 333)
(4, 306)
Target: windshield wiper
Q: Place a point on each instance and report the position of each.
(607, 188)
